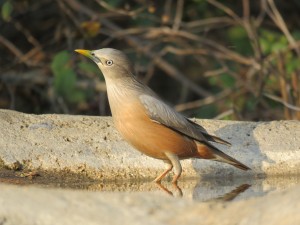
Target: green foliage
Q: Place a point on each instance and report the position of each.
(224, 80)
(227, 80)
(207, 111)
(65, 78)
(6, 10)
(239, 38)
(251, 103)
(272, 42)
(292, 63)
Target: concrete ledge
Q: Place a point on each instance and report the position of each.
(91, 145)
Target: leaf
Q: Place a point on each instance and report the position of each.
(279, 45)
(272, 41)
(6, 11)
(224, 80)
(292, 65)
(212, 81)
(227, 80)
(91, 28)
(240, 41)
(60, 61)
(65, 78)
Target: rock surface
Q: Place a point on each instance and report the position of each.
(91, 146)
(31, 205)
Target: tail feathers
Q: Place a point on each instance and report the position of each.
(216, 139)
(212, 153)
(222, 157)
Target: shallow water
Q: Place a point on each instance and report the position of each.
(205, 189)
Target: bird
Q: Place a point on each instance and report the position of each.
(149, 124)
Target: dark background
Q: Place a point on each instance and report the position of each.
(209, 58)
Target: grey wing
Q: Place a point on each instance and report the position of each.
(161, 113)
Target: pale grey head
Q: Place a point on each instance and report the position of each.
(116, 66)
(113, 63)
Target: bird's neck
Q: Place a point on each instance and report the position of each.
(121, 92)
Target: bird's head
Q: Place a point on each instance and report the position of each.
(113, 63)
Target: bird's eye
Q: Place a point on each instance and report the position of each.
(109, 62)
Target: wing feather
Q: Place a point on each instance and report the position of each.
(161, 113)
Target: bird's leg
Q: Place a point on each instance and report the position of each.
(176, 164)
(178, 190)
(169, 167)
(166, 190)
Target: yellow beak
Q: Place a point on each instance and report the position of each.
(89, 54)
(86, 53)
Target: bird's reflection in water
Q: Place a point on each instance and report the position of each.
(204, 189)
(177, 190)
(234, 193)
(219, 189)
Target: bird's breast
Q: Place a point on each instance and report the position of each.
(151, 138)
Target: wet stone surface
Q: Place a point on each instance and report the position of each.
(201, 190)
